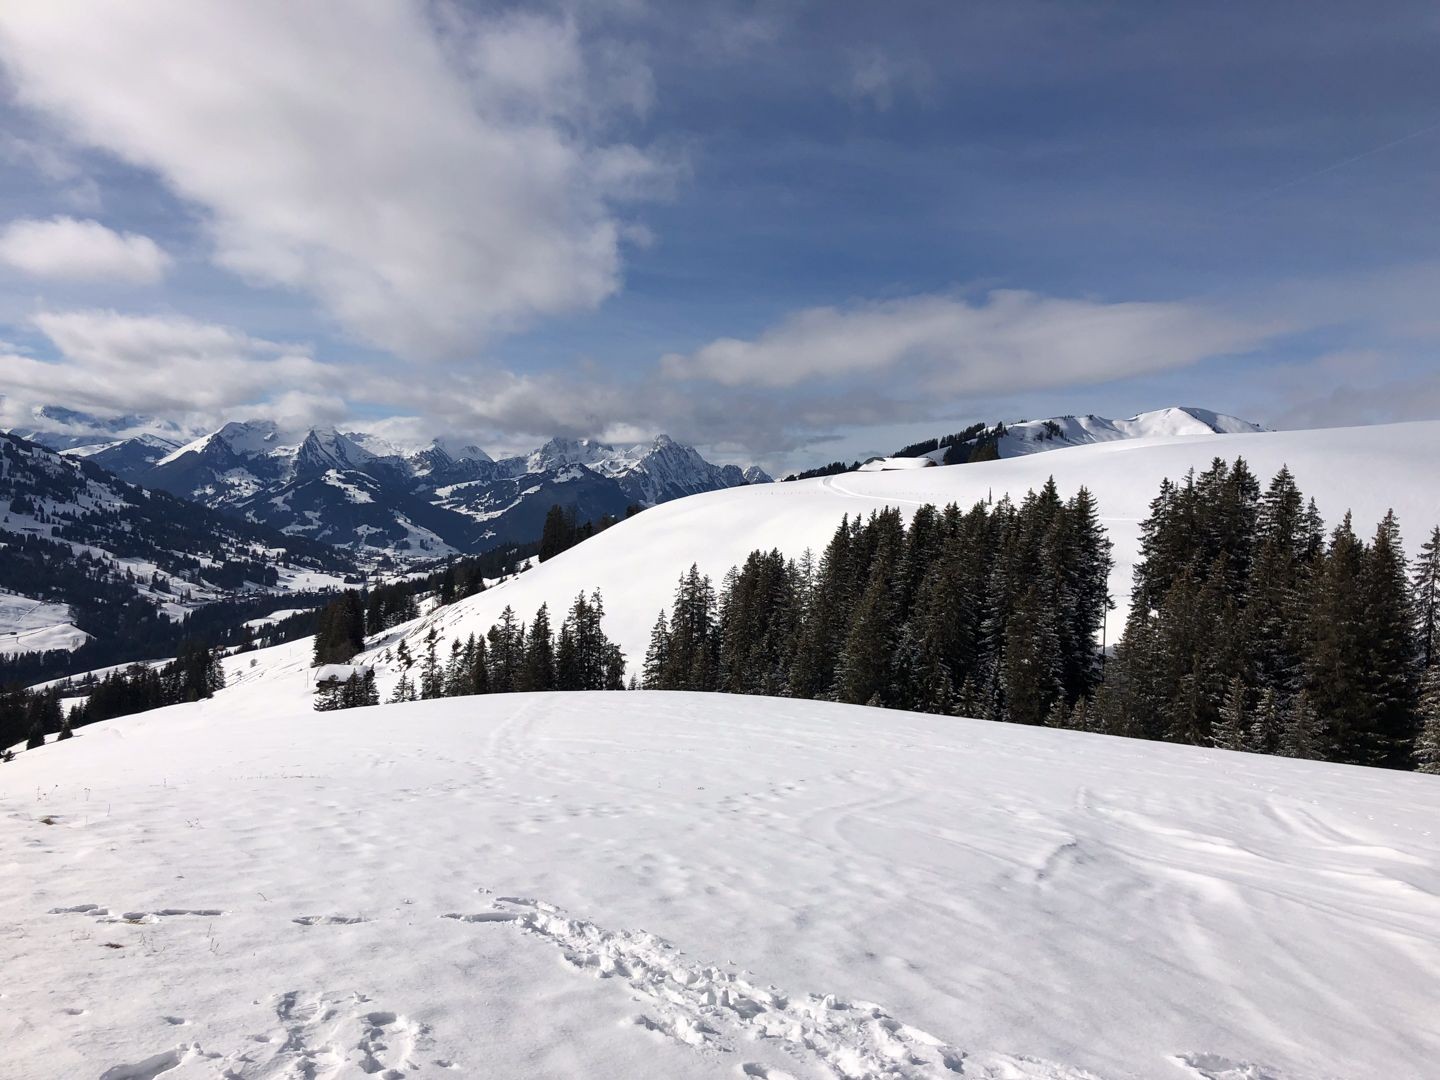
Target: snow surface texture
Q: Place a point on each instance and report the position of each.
(636, 563)
(678, 885)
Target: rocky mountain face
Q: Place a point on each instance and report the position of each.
(355, 490)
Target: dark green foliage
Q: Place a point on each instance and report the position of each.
(538, 669)
(354, 692)
(585, 659)
(32, 715)
(1248, 630)
(835, 468)
(340, 630)
(563, 529)
(993, 611)
(1427, 742)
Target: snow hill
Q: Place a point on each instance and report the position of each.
(1058, 432)
(637, 562)
(676, 885)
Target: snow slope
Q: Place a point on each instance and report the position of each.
(637, 562)
(30, 625)
(675, 885)
(1059, 432)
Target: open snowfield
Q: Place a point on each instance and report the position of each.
(29, 625)
(673, 885)
(636, 563)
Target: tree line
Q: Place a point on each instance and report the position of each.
(1252, 628)
(33, 715)
(1249, 628)
(563, 528)
(992, 612)
(510, 658)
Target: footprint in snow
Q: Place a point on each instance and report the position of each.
(329, 920)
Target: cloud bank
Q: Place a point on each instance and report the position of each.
(429, 181)
(1010, 342)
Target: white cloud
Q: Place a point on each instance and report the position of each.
(67, 249)
(192, 372)
(432, 179)
(946, 344)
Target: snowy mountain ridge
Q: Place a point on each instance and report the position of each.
(79, 546)
(1059, 432)
(444, 498)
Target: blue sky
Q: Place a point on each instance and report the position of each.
(786, 232)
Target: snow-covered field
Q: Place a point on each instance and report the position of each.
(674, 885)
(637, 562)
(669, 885)
(29, 625)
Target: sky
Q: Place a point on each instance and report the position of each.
(784, 232)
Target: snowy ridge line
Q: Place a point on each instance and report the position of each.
(711, 1009)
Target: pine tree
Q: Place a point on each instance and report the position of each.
(404, 689)
(1266, 730)
(1390, 670)
(539, 664)
(1426, 584)
(1059, 715)
(657, 656)
(479, 667)
(507, 646)
(1336, 649)
(863, 674)
(1427, 742)
(1230, 731)
(1028, 670)
(432, 675)
(1303, 735)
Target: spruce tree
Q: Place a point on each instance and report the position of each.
(657, 656)
(1231, 728)
(1427, 743)
(1390, 670)
(1303, 735)
(539, 664)
(863, 674)
(1267, 728)
(1426, 584)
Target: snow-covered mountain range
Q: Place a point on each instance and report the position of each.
(85, 555)
(355, 489)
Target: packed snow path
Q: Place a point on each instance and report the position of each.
(675, 885)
